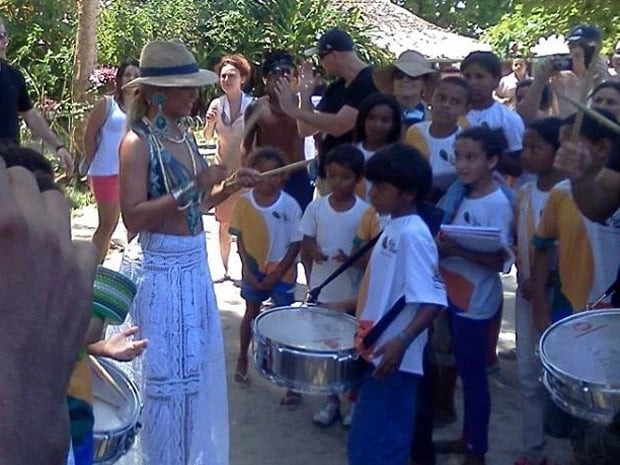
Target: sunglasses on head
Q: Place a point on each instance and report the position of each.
(4, 35)
(282, 71)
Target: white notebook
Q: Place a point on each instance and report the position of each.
(477, 239)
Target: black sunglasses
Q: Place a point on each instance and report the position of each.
(4, 35)
(324, 54)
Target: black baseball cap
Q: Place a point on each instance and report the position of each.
(585, 33)
(334, 40)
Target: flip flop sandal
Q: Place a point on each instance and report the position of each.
(223, 279)
(242, 380)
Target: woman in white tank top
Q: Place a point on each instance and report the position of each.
(225, 118)
(104, 132)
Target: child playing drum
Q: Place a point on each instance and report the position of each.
(329, 226)
(266, 223)
(403, 266)
(587, 259)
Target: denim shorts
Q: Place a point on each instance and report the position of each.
(282, 294)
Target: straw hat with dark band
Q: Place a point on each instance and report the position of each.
(170, 64)
(411, 63)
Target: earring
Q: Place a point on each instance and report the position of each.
(160, 119)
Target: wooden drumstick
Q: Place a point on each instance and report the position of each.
(591, 112)
(281, 170)
(103, 373)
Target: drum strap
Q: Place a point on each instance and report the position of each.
(432, 218)
(313, 294)
(381, 325)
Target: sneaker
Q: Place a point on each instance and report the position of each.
(327, 414)
(346, 420)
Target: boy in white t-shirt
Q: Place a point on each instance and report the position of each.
(403, 266)
(435, 139)
(482, 71)
(329, 225)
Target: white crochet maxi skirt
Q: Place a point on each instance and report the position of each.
(181, 375)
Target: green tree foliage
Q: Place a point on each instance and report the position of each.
(125, 26)
(533, 19)
(253, 26)
(42, 36)
(465, 17)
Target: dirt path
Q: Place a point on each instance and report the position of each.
(263, 433)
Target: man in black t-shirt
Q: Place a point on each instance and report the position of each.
(335, 115)
(15, 103)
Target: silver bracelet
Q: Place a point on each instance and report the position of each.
(185, 194)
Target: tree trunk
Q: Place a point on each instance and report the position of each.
(84, 64)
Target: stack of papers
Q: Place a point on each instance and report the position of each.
(477, 239)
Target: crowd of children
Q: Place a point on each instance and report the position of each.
(483, 167)
(476, 163)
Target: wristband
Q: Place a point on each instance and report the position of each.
(58, 147)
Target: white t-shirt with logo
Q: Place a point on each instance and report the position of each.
(477, 289)
(439, 151)
(403, 263)
(498, 116)
(333, 231)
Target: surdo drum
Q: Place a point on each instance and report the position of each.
(116, 415)
(306, 349)
(581, 359)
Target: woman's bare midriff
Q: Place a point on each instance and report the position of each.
(175, 225)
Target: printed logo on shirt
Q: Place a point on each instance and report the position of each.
(438, 282)
(280, 216)
(469, 219)
(445, 157)
(389, 245)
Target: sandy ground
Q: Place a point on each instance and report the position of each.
(263, 433)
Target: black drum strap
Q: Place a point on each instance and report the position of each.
(313, 294)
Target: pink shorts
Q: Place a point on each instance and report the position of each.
(105, 188)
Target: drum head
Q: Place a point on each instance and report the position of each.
(308, 328)
(585, 346)
(113, 411)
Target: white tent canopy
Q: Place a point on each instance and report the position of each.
(397, 29)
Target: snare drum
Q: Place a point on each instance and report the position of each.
(581, 359)
(306, 349)
(116, 416)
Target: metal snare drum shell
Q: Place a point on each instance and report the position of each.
(596, 399)
(303, 369)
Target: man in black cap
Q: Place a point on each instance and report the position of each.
(336, 113)
(584, 41)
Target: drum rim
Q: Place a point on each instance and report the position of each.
(596, 415)
(316, 309)
(135, 394)
(546, 362)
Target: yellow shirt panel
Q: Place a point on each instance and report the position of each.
(561, 220)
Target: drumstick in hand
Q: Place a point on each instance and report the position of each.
(281, 170)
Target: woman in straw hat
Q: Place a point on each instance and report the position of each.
(407, 79)
(165, 186)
